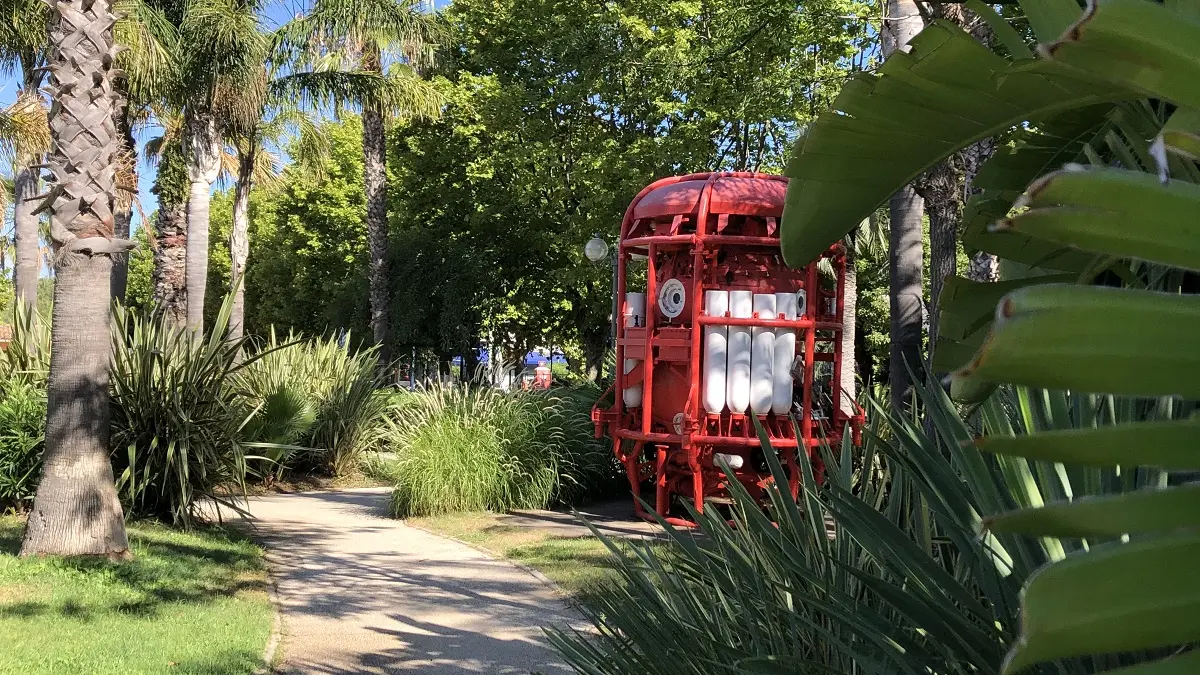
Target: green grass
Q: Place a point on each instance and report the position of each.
(579, 565)
(191, 603)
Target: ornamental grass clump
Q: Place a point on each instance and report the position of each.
(462, 448)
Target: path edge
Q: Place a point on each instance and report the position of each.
(546, 581)
(276, 636)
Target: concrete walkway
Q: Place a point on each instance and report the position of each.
(361, 593)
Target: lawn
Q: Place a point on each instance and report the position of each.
(191, 603)
(577, 564)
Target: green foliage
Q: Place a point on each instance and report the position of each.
(188, 602)
(1115, 98)
(22, 440)
(550, 127)
(176, 416)
(880, 570)
(171, 178)
(318, 395)
(139, 286)
(477, 449)
(309, 245)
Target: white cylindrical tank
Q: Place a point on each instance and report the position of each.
(635, 316)
(762, 359)
(734, 461)
(716, 342)
(737, 371)
(786, 305)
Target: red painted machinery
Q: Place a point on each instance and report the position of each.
(723, 330)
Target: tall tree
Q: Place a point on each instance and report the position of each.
(170, 226)
(149, 42)
(218, 56)
(23, 43)
(295, 85)
(906, 260)
(76, 510)
(374, 31)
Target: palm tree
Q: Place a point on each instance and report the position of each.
(143, 62)
(23, 30)
(147, 64)
(76, 510)
(907, 250)
(218, 53)
(287, 104)
(221, 61)
(371, 32)
(256, 165)
(170, 227)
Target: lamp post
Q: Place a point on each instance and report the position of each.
(596, 250)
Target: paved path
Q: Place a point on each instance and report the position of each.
(361, 593)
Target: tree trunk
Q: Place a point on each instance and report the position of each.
(25, 229)
(127, 182)
(849, 381)
(203, 152)
(76, 511)
(594, 347)
(905, 263)
(942, 193)
(170, 263)
(239, 242)
(982, 267)
(375, 185)
(903, 22)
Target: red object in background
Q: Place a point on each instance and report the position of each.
(542, 376)
(716, 231)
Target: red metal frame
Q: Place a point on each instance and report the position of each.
(680, 464)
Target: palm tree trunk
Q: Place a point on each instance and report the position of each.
(239, 242)
(942, 190)
(982, 267)
(203, 153)
(170, 291)
(907, 304)
(127, 180)
(76, 510)
(849, 381)
(907, 251)
(375, 186)
(25, 229)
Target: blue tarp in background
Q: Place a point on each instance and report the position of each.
(531, 359)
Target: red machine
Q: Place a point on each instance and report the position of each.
(723, 330)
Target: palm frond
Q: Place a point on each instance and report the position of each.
(222, 49)
(24, 129)
(150, 60)
(400, 91)
(332, 25)
(24, 25)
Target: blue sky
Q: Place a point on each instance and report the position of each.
(274, 13)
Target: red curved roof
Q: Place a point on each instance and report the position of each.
(740, 195)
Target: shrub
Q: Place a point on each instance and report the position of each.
(477, 448)
(907, 584)
(333, 390)
(22, 440)
(177, 415)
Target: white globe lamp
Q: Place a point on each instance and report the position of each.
(596, 249)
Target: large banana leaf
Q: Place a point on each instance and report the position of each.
(885, 130)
